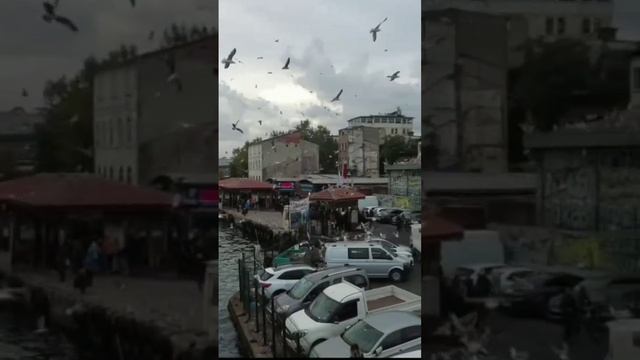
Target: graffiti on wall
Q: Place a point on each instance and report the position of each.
(569, 198)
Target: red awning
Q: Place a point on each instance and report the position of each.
(337, 195)
(438, 229)
(244, 184)
(79, 191)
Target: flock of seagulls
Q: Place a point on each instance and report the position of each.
(229, 60)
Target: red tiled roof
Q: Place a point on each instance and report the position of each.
(244, 184)
(79, 190)
(336, 194)
(435, 229)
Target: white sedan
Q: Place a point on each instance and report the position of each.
(280, 279)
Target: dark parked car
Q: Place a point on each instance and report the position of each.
(407, 217)
(310, 286)
(386, 216)
(531, 295)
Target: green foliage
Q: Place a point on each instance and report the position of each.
(179, 34)
(397, 148)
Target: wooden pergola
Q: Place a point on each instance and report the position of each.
(334, 198)
(233, 190)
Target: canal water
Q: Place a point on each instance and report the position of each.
(19, 341)
(231, 243)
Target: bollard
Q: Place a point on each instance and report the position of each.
(255, 285)
(240, 278)
(248, 292)
(273, 326)
(264, 318)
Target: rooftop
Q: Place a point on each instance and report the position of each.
(79, 190)
(244, 184)
(330, 179)
(335, 194)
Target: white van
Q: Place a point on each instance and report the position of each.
(377, 261)
(477, 247)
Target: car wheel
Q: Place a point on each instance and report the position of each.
(316, 343)
(395, 275)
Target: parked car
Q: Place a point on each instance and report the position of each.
(373, 258)
(385, 216)
(400, 250)
(472, 271)
(375, 211)
(408, 217)
(531, 295)
(293, 255)
(378, 336)
(278, 280)
(413, 354)
(367, 211)
(310, 286)
(339, 306)
(503, 278)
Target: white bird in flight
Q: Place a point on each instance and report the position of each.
(393, 76)
(229, 60)
(337, 98)
(376, 29)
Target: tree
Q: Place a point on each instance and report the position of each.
(396, 148)
(179, 34)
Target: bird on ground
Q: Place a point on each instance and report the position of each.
(229, 60)
(151, 35)
(286, 65)
(518, 355)
(393, 76)
(236, 128)
(376, 29)
(25, 93)
(51, 15)
(337, 98)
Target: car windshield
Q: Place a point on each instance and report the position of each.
(323, 308)
(264, 275)
(388, 248)
(363, 334)
(300, 289)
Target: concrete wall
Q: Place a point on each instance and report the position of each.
(406, 184)
(254, 161)
(282, 158)
(363, 150)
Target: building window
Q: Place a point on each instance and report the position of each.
(636, 79)
(121, 174)
(398, 121)
(120, 131)
(129, 175)
(369, 121)
(561, 25)
(384, 121)
(110, 172)
(586, 26)
(550, 26)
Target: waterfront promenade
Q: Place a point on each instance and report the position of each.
(270, 219)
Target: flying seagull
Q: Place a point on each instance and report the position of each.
(269, 72)
(234, 127)
(260, 58)
(133, 3)
(51, 15)
(229, 60)
(173, 77)
(393, 76)
(376, 29)
(260, 122)
(277, 40)
(151, 35)
(337, 98)
(286, 65)
(25, 93)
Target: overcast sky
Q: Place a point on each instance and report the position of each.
(330, 48)
(33, 51)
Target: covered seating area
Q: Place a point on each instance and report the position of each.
(336, 209)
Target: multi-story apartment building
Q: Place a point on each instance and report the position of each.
(18, 142)
(393, 123)
(283, 156)
(359, 148)
(145, 126)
